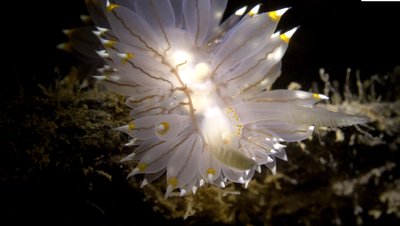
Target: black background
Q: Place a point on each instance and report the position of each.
(332, 34)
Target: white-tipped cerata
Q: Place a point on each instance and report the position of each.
(199, 90)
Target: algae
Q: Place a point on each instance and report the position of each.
(60, 159)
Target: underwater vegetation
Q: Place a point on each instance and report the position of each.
(342, 176)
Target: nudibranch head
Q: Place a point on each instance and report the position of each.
(199, 89)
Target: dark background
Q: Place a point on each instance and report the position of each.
(332, 35)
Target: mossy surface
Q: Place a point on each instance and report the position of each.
(59, 164)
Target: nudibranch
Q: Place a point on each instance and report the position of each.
(200, 89)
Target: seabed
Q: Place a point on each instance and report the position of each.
(60, 164)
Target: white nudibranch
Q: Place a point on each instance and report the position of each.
(199, 89)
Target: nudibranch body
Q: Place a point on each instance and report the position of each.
(199, 89)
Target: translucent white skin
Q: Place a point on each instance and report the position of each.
(199, 89)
